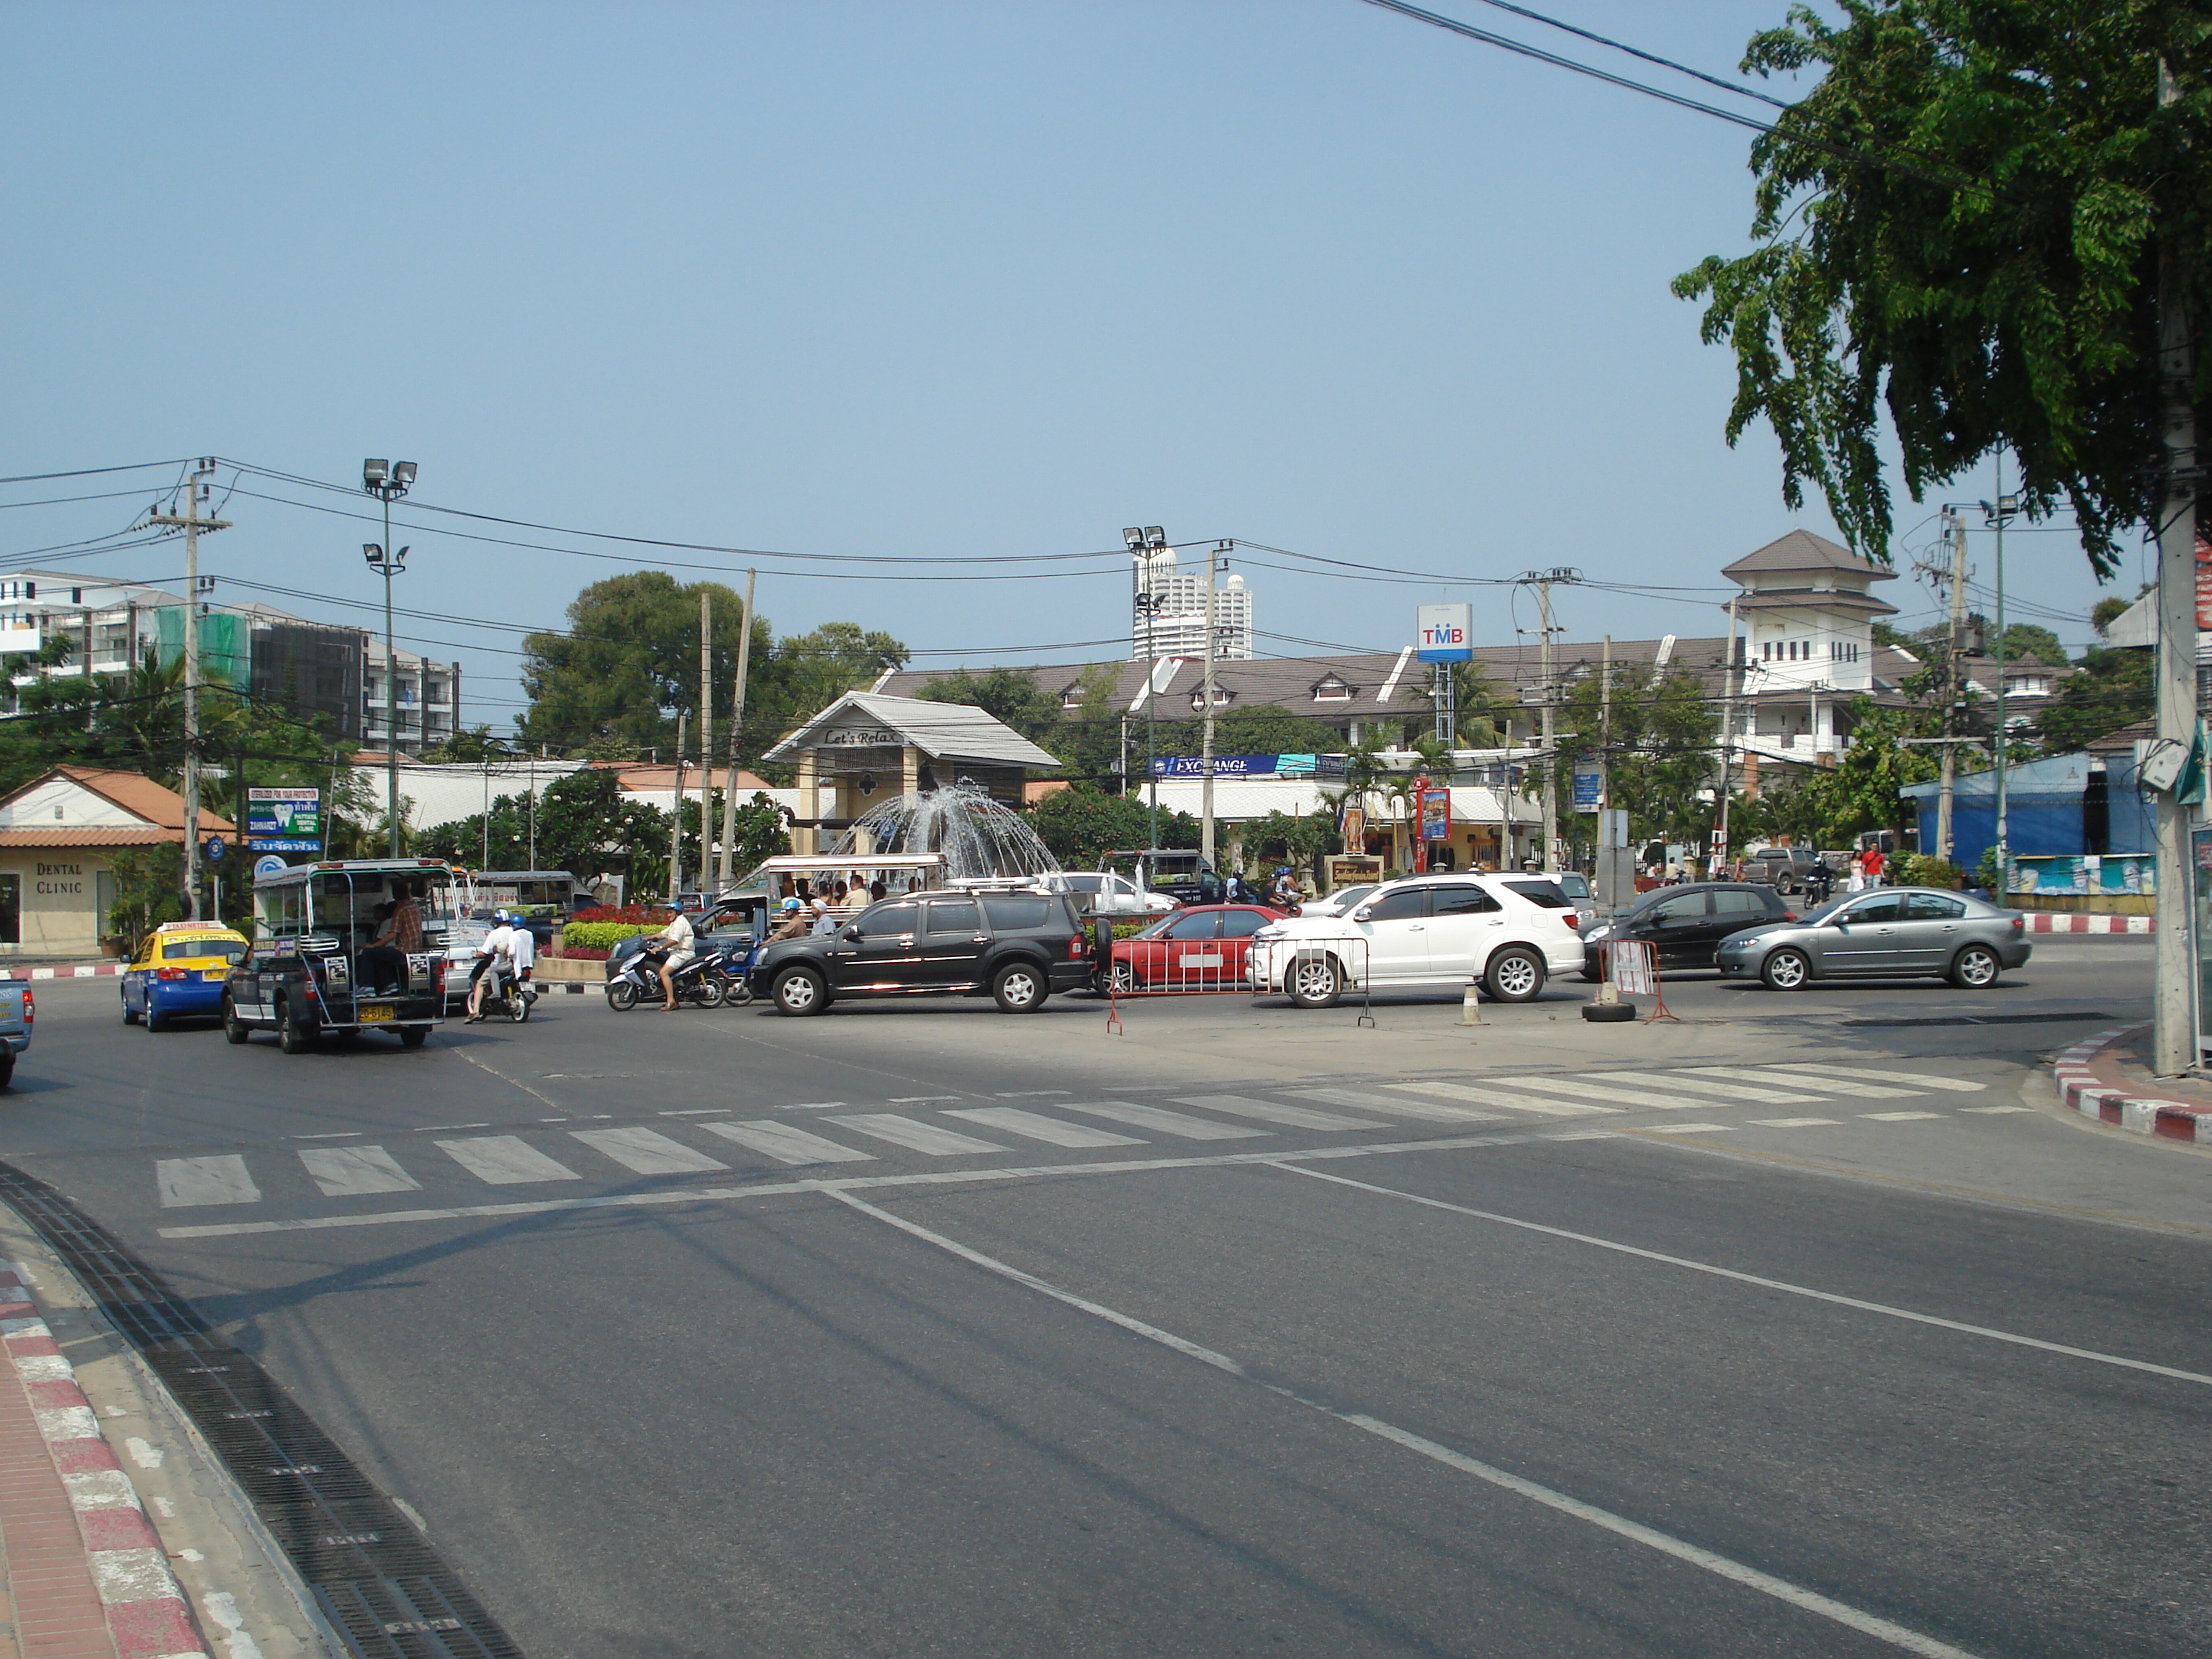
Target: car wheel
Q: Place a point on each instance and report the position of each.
(621, 996)
(1125, 982)
(1314, 982)
(1787, 971)
(155, 1020)
(414, 1036)
(1514, 975)
(1019, 988)
(130, 1014)
(1591, 976)
(1975, 968)
(800, 992)
(234, 1030)
(293, 1034)
(7, 1069)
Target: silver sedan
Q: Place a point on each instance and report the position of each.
(1892, 932)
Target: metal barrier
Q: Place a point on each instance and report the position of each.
(1342, 963)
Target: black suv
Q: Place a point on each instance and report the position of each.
(1019, 947)
(1687, 924)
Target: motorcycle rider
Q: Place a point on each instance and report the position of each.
(677, 937)
(495, 965)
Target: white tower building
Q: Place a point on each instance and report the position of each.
(1171, 616)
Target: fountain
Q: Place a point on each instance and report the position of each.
(976, 834)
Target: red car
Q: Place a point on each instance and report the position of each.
(1202, 947)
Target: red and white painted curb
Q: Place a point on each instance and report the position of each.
(145, 1608)
(2079, 922)
(2083, 1088)
(83, 970)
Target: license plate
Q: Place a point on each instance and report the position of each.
(371, 1016)
(216, 972)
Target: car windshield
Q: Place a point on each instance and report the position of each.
(1350, 896)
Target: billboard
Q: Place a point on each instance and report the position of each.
(287, 819)
(1435, 814)
(1447, 632)
(1589, 785)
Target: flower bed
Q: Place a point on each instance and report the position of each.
(582, 937)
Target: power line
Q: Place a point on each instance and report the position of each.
(1740, 90)
(95, 472)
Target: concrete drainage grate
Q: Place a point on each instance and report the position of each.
(386, 1592)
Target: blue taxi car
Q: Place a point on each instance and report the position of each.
(179, 969)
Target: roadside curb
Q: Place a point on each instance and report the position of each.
(145, 1608)
(2094, 1091)
(83, 970)
(2083, 921)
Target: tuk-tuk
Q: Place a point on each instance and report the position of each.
(304, 978)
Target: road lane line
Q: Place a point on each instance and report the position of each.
(858, 1183)
(1267, 1111)
(1691, 1128)
(1180, 1124)
(1874, 1074)
(788, 1143)
(348, 1171)
(1993, 1111)
(1434, 1111)
(504, 1160)
(647, 1151)
(1037, 1127)
(185, 1181)
(1680, 1082)
(923, 1100)
(1499, 1097)
(1796, 1122)
(1782, 1589)
(1783, 1285)
(1614, 1099)
(1898, 1117)
(916, 1135)
(1827, 1085)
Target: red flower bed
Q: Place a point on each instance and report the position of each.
(630, 913)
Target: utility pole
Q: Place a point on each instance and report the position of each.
(736, 720)
(705, 733)
(2174, 1041)
(1998, 513)
(676, 833)
(387, 482)
(1731, 681)
(1205, 740)
(191, 524)
(1956, 534)
(1145, 543)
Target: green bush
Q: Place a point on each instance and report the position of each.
(1926, 870)
(601, 935)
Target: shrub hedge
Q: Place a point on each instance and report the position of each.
(602, 935)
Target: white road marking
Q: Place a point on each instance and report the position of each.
(808, 1106)
(1027, 1094)
(438, 1129)
(1690, 1128)
(1873, 1074)
(1827, 1085)
(921, 1100)
(505, 1160)
(1682, 1083)
(1992, 1111)
(916, 1135)
(1614, 1099)
(789, 1143)
(647, 1151)
(697, 1111)
(1167, 1122)
(1783, 1285)
(184, 1182)
(344, 1172)
(1037, 1127)
(1499, 1097)
(1267, 1111)
(335, 1134)
(1782, 1589)
(1794, 1122)
(804, 1185)
(1898, 1117)
(1434, 1111)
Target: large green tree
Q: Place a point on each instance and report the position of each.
(1656, 735)
(1959, 228)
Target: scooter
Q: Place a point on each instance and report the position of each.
(514, 1002)
(698, 982)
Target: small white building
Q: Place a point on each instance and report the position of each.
(1807, 619)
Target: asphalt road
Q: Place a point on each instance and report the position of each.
(1800, 1327)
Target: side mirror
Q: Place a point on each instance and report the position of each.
(1364, 912)
(850, 934)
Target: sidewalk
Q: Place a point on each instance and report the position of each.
(2105, 1077)
(61, 971)
(83, 1574)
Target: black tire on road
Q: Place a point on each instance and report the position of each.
(1975, 967)
(129, 1018)
(517, 1009)
(7, 1069)
(155, 1021)
(293, 1034)
(800, 992)
(414, 1036)
(1787, 971)
(1020, 987)
(709, 993)
(1591, 976)
(1514, 974)
(1314, 981)
(234, 1030)
(1608, 1013)
(621, 996)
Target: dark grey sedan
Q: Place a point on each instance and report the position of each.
(1892, 932)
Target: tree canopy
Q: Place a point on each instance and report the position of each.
(1960, 227)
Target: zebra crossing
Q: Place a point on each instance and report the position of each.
(836, 1133)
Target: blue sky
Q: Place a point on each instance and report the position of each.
(933, 280)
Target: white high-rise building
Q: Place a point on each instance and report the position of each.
(1170, 612)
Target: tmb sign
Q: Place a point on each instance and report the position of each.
(1447, 632)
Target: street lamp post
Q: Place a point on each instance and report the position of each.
(1997, 515)
(1144, 541)
(388, 481)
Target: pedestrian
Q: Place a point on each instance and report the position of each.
(876, 890)
(1856, 881)
(1874, 864)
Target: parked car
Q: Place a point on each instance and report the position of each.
(179, 969)
(1016, 947)
(1685, 925)
(1508, 932)
(19, 1011)
(1890, 932)
(1102, 893)
(1342, 902)
(1204, 947)
(1785, 869)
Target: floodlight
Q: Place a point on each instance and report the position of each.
(400, 558)
(374, 473)
(1155, 537)
(1133, 536)
(403, 472)
(372, 552)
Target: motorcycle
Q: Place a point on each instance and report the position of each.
(515, 1001)
(699, 982)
